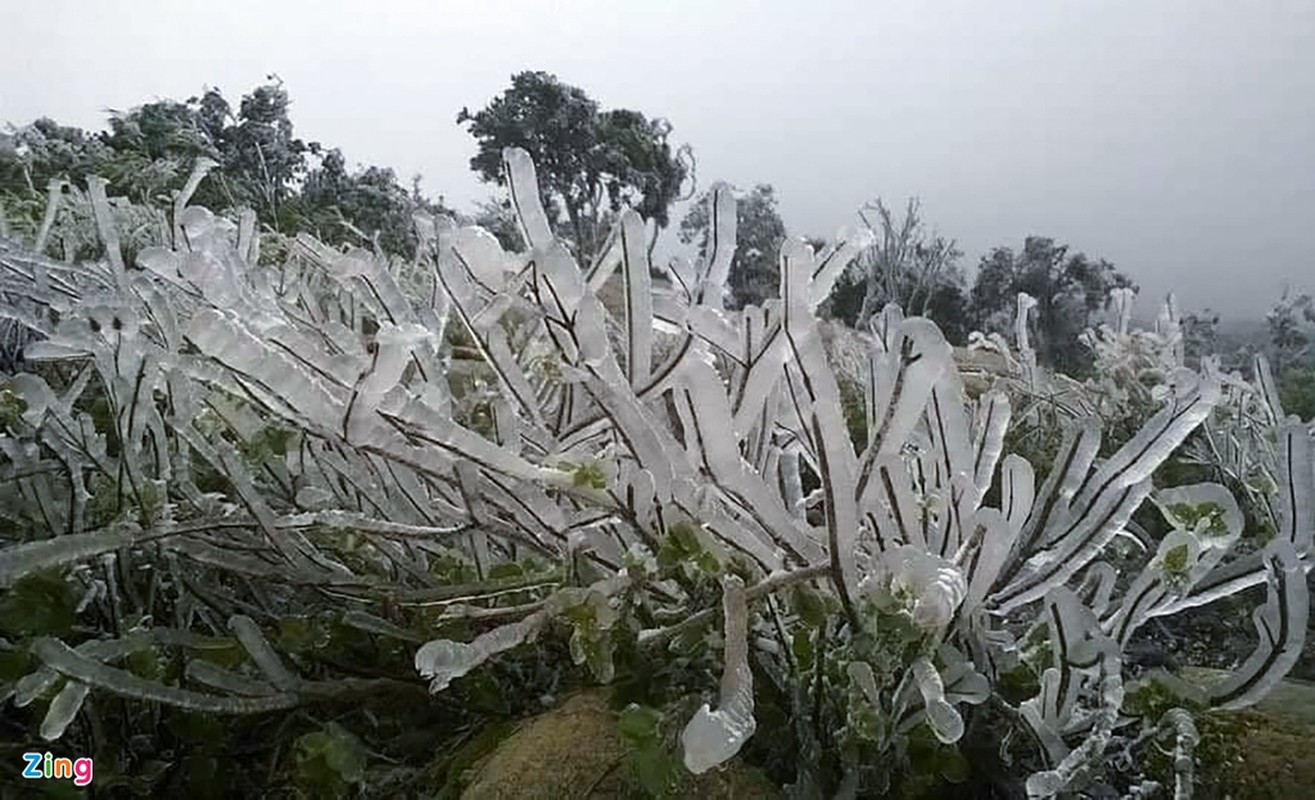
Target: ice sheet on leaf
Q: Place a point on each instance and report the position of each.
(942, 717)
(227, 340)
(955, 467)
(1075, 533)
(1206, 523)
(1017, 490)
(722, 228)
(1081, 543)
(637, 280)
(716, 448)
(990, 540)
(1281, 624)
(1264, 379)
(393, 351)
(1296, 474)
(63, 708)
(525, 200)
(816, 397)
(992, 421)
(23, 559)
(77, 666)
(257, 646)
(901, 384)
(422, 427)
(762, 352)
(648, 442)
(1079, 649)
(1070, 470)
(963, 682)
(1155, 442)
(831, 262)
(480, 253)
(1097, 587)
(712, 738)
(444, 660)
(1022, 341)
(889, 494)
(109, 232)
(932, 587)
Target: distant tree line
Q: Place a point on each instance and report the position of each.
(591, 163)
(148, 152)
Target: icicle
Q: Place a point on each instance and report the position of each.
(713, 737)
(443, 660)
(63, 709)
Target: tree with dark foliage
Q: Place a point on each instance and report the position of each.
(590, 162)
(1070, 291)
(755, 271)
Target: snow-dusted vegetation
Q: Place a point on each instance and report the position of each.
(877, 568)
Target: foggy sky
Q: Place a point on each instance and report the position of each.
(1176, 139)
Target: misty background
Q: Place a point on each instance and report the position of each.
(1172, 138)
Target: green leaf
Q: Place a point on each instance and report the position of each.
(589, 474)
(39, 604)
(330, 760)
(639, 723)
(810, 606)
(801, 644)
(506, 569)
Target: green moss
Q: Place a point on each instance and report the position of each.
(589, 474)
(1253, 755)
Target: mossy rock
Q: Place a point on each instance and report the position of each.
(1266, 751)
(1249, 754)
(577, 750)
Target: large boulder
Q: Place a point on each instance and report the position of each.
(577, 750)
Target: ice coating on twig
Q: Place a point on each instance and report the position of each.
(712, 738)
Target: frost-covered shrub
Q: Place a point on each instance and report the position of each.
(636, 472)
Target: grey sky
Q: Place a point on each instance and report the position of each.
(1176, 138)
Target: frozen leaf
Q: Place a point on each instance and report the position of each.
(1082, 541)
(990, 539)
(1154, 443)
(933, 586)
(639, 299)
(992, 422)
(1281, 623)
(1070, 469)
(63, 709)
(216, 677)
(1268, 389)
(1025, 304)
(525, 198)
(1296, 507)
(63, 659)
(832, 261)
(713, 737)
(1017, 490)
(942, 718)
(722, 209)
(443, 660)
(23, 559)
(249, 635)
(1207, 522)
